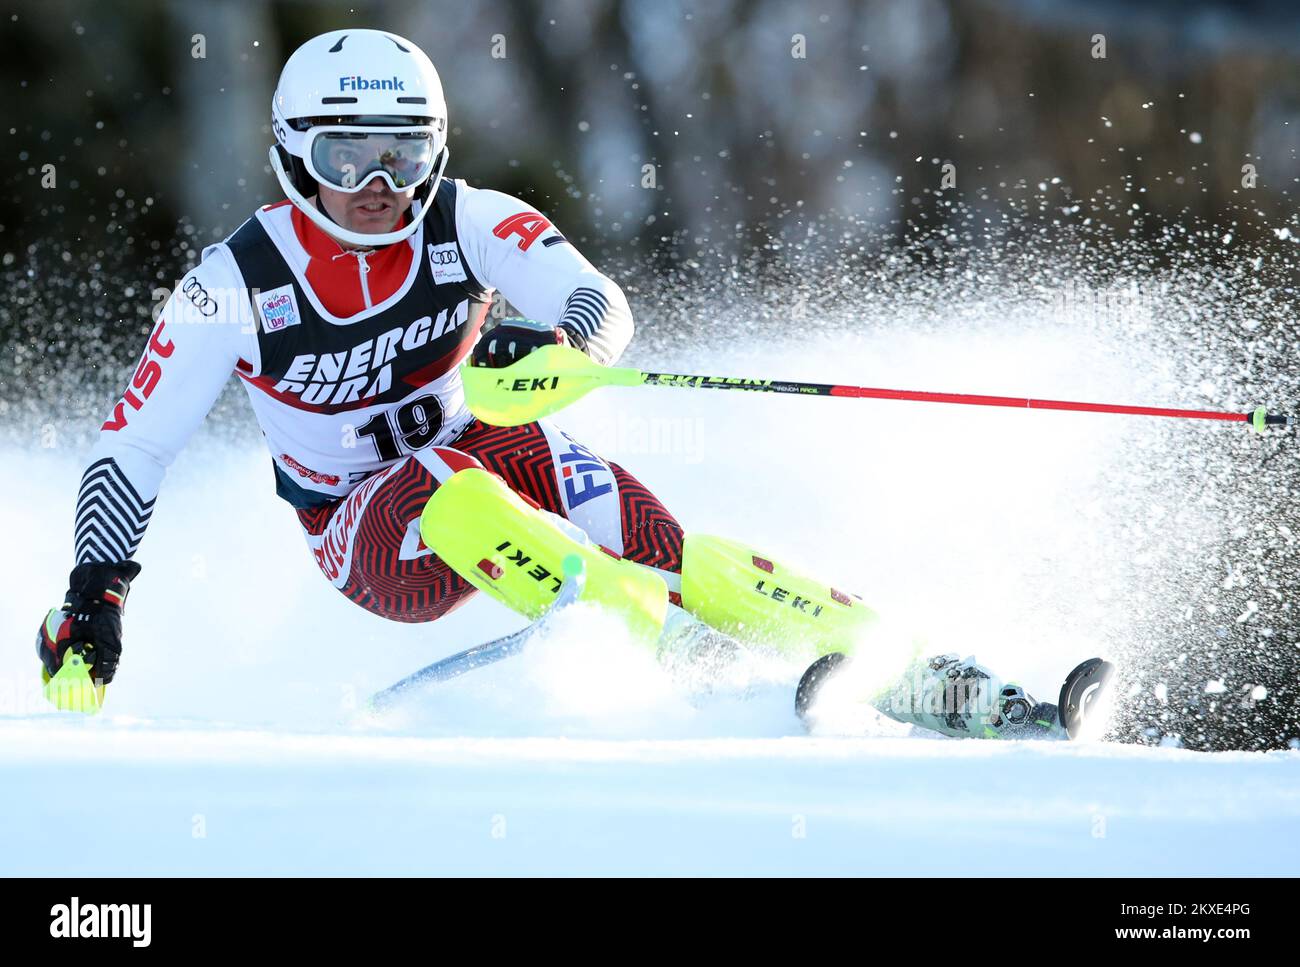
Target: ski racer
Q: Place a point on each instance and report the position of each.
(345, 310)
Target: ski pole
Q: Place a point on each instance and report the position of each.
(550, 378)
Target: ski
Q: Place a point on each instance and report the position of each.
(812, 680)
(1083, 693)
(490, 652)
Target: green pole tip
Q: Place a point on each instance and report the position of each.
(1258, 418)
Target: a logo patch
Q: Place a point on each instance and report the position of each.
(147, 375)
(588, 489)
(204, 303)
(413, 545)
(278, 309)
(446, 264)
(585, 475)
(527, 225)
(328, 479)
(333, 548)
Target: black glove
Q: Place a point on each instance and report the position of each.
(513, 339)
(90, 621)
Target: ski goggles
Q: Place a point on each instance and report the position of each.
(348, 158)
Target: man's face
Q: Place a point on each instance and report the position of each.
(374, 209)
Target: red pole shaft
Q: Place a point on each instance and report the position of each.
(1258, 418)
(1025, 403)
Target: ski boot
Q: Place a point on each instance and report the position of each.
(689, 648)
(962, 699)
(965, 700)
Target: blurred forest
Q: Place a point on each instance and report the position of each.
(905, 140)
(753, 112)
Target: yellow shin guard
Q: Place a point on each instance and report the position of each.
(501, 545)
(756, 599)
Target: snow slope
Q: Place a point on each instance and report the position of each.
(234, 741)
(186, 799)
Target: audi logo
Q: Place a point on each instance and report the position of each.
(199, 296)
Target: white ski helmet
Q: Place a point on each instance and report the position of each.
(352, 106)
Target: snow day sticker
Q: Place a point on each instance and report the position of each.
(279, 309)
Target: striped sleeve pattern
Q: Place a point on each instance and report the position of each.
(111, 517)
(603, 328)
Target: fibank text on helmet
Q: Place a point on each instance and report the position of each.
(356, 83)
